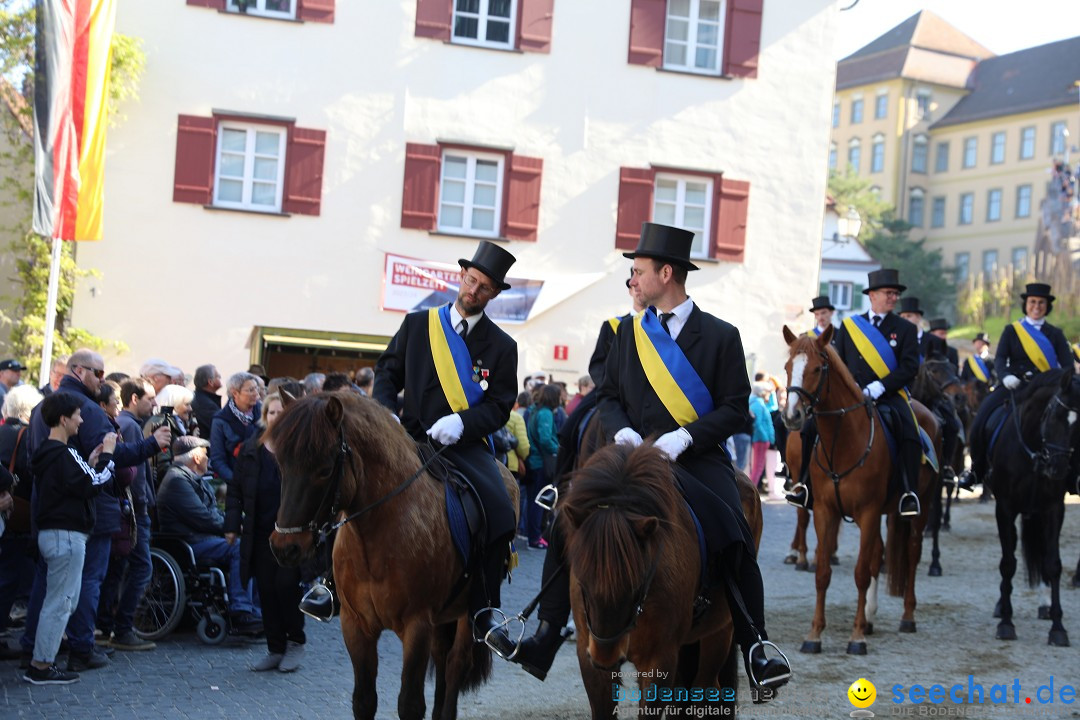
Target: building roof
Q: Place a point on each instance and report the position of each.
(16, 104)
(1024, 81)
(923, 47)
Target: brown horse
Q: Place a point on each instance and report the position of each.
(395, 565)
(635, 573)
(798, 555)
(849, 475)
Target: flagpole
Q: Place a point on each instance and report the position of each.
(50, 313)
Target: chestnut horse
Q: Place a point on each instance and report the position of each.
(635, 571)
(849, 473)
(395, 565)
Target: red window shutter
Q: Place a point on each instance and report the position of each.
(316, 11)
(215, 4)
(433, 19)
(635, 205)
(419, 198)
(534, 25)
(733, 199)
(647, 34)
(304, 158)
(522, 198)
(742, 38)
(193, 175)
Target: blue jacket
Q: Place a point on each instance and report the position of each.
(227, 434)
(142, 493)
(763, 427)
(543, 439)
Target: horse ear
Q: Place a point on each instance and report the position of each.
(287, 398)
(789, 337)
(826, 337)
(645, 527)
(334, 409)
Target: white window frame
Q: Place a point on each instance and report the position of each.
(993, 204)
(918, 196)
(248, 178)
(468, 205)
(962, 265)
(857, 104)
(1019, 253)
(967, 208)
(1057, 133)
(970, 151)
(854, 144)
(1027, 142)
(836, 114)
(258, 7)
(989, 262)
(877, 153)
(941, 156)
(841, 294)
(691, 38)
(923, 98)
(938, 220)
(997, 148)
(1023, 201)
(920, 151)
(482, 16)
(702, 244)
(832, 155)
(879, 112)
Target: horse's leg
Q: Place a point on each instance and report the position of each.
(1006, 522)
(869, 529)
(934, 528)
(441, 642)
(1076, 575)
(1052, 572)
(826, 527)
(872, 591)
(598, 683)
(946, 517)
(415, 651)
(364, 652)
(798, 543)
(460, 661)
(663, 666)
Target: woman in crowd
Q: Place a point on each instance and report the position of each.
(544, 447)
(763, 434)
(234, 423)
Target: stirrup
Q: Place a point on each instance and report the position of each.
(779, 679)
(504, 625)
(794, 491)
(547, 497)
(315, 596)
(918, 505)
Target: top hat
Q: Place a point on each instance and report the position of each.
(12, 365)
(910, 305)
(821, 302)
(884, 278)
(491, 260)
(1037, 290)
(663, 242)
(939, 324)
(981, 337)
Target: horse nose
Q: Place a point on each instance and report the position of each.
(287, 555)
(794, 417)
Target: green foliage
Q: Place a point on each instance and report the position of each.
(920, 269)
(128, 64)
(849, 190)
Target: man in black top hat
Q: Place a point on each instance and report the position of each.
(913, 313)
(408, 364)
(939, 327)
(1014, 365)
(974, 370)
(631, 409)
(823, 311)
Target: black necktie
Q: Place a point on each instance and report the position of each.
(664, 317)
(877, 321)
(464, 328)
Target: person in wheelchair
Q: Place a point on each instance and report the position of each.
(187, 507)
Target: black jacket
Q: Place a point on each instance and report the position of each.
(67, 486)
(241, 500)
(407, 365)
(187, 506)
(603, 346)
(967, 374)
(714, 349)
(902, 336)
(9, 438)
(1012, 360)
(204, 407)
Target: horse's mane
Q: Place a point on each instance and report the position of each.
(618, 487)
(924, 387)
(1032, 400)
(808, 345)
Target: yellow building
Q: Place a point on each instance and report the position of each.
(959, 140)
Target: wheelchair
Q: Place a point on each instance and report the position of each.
(178, 587)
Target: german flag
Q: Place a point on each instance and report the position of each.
(71, 66)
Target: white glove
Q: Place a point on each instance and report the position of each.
(447, 430)
(628, 436)
(674, 443)
(1010, 381)
(874, 390)
(396, 418)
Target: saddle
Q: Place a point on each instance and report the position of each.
(464, 511)
(891, 423)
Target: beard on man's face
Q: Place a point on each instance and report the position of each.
(469, 303)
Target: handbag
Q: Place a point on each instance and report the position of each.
(19, 521)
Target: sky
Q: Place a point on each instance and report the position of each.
(1002, 26)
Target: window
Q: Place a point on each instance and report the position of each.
(993, 205)
(840, 294)
(1019, 260)
(877, 154)
(250, 167)
(1023, 201)
(685, 202)
(269, 8)
(971, 147)
(967, 208)
(856, 109)
(484, 22)
(989, 264)
(469, 192)
(922, 98)
(832, 156)
(836, 114)
(916, 205)
(881, 107)
(961, 266)
(1057, 139)
(997, 148)
(1027, 143)
(920, 150)
(937, 213)
(854, 153)
(941, 157)
(692, 36)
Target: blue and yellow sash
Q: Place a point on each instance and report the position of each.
(452, 362)
(671, 375)
(814, 331)
(614, 323)
(979, 369)
(1076, 351)
(1036, 346)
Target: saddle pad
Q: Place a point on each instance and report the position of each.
(996, 421)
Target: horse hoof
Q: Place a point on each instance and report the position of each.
(997, 610)
(802, 566)
(946, 528)
(791, 559)
(1044, 613)
(907, 626)
(869, 629)
(834, 561)
(935, 571)
(811, 647)
(856, 648)
(1058, 638)
(1006, 631)
(1076, 580)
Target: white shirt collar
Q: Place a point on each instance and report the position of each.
(1035, 323)
(455, 319)
(682, 314)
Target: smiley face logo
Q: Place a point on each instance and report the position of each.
(862, 693)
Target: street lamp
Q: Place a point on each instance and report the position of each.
(847, 226)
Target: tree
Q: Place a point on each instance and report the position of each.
(850, 190)
(920, 269)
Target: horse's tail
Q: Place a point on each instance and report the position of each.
(480, 668)
(897, 548)
(1033, 544)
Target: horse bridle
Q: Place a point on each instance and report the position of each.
(1049, 450)
(640, 595)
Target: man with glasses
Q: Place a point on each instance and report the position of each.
(86, 372)
(459, 373)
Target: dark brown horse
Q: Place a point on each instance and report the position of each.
(849, 474)
(395, 565)
(635, 571)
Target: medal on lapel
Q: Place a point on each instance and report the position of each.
(483, 379)
(892, 340)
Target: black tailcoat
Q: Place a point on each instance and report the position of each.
(1012, 360)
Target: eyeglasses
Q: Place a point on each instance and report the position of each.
(890, 293)
(474, 284)
(250, 390)
(99, 374)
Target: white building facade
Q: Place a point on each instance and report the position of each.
(278, 157)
